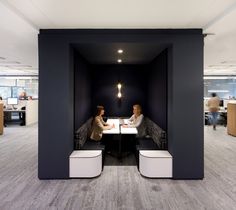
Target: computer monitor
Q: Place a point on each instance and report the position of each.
(221, 103)
(12, 101)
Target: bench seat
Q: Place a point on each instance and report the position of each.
(155, 163)
(85, 163)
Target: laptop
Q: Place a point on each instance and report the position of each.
(121, 121)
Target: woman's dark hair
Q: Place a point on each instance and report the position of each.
(99, 109)
(213, 94)
(1, 98)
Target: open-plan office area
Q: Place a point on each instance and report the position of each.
(165, 64)
(16, 108)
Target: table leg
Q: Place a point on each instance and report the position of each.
(119, 148)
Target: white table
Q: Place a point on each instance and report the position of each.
(118, 128)
(128, 130)
(115, 130)
(124, 130)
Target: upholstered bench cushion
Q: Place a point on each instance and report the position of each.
(155, 163)
(93, 145)
(146, 144)
(85, 163)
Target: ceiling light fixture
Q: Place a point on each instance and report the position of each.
(229, 62)
(207, 34)
(218, 91)
(120, 51)
(119, 60)
(119, 95)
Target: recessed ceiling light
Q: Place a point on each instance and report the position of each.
(119, 60)
(120, 51)
(21, 66)
(9, 62)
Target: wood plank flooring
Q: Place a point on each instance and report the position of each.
(119, 187)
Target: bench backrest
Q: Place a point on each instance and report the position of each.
(149, 128)
(82, 134)
(157, 134)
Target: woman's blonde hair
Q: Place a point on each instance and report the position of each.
(138, 107)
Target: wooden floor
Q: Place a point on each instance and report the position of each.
(119, 187)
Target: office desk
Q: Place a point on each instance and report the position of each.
(9, 118)
(30, 113)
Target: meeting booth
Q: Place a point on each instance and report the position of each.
(161, 69)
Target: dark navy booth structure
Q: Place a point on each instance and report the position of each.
(78, 71)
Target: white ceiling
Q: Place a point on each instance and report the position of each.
(21, 20)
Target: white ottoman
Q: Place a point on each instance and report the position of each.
(85, 163)
(155, 163)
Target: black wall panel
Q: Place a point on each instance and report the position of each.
(186, 143)
(104, 88)
(157, 90)
(56, 107)
(82, 90)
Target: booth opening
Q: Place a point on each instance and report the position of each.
(119, 76)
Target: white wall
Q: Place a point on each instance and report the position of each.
(31, 112)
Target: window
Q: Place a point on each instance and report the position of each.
(14, 86)
(5, 92)
(224, 87)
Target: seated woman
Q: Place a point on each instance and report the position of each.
(136, 118)
(99, 125)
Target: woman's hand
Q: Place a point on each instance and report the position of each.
(111, 125)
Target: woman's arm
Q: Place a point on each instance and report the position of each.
(100, 124)
(131, 119)
(136, 122)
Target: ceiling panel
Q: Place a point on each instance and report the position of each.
(119, 14)
(18, 43)
(220, 49)
(20, 21)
